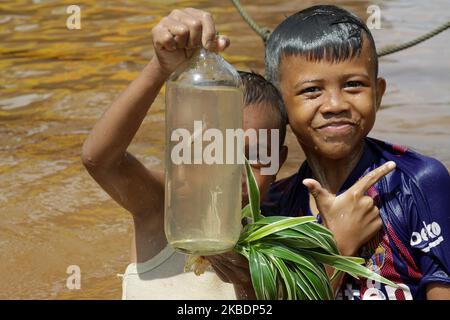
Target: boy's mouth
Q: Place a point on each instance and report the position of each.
(337, 127)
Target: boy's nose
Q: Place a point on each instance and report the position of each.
(335, 103)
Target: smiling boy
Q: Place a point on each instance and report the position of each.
(323, 60)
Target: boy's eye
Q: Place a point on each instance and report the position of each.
(310, 90)
(353, 84)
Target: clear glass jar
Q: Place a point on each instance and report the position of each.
(203, 188)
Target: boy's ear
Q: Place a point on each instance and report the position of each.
(381, 88)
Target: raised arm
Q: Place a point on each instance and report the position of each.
(104, 154)
(137, 189)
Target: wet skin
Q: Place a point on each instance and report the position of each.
(331, 107)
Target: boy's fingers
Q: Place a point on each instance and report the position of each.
(163, 39)
(222, 43)
(208, 28)
(375, 213)
(232, 274)
(190, 28)
(235, 259)
(372, 177)
(179, 31)
(193, 23)
(320, 194)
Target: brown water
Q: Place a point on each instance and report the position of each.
(202, 217)
(55, 83)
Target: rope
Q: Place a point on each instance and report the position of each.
(391, 49)
(264, 33)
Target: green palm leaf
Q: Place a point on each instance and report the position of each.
(287, 255)
(346, 265)
(286, 275)
(263, 276)
(277, 226)
(253, 193)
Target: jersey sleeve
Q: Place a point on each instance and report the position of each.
(429, 221)
(278, 201)
(270, 205)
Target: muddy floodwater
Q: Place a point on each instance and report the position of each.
(55, 83)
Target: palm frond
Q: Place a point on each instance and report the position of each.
(287, 255)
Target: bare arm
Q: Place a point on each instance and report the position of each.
(112, 134)
(438, 291)
(104, 154)
(137, 189)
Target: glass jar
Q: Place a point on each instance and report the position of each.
(203, 187)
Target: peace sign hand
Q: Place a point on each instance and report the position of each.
(352, 216)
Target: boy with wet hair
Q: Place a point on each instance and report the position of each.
(323, 60)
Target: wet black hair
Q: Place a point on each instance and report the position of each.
(323, 32)
(258, 90)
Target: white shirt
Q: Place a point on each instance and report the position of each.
(163, 277)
